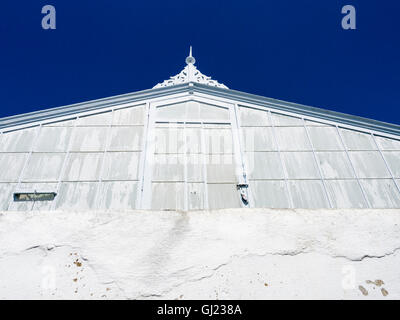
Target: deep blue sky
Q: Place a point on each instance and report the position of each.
(290, 50)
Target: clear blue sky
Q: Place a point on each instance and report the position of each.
(289, 50)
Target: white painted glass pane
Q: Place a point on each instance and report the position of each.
(335, 165)
(308, 194)
(222, 196)
(393, 160)
(171, 112)
(250, 117)
(167, 196)
(126, 138)
(99, 119)
(381, 193)
(121, 165)
(325, 138)
(77, 196)
(388, 144)
(11, 165)
(89, 139)
(193, 140)
(63, 123)
(44, 167)
(83, 167)
(18, 141)
(169, 140)
(210, 113)
(258, 139)
(119, 195)
(53, 139)
(194, 163)
(168, 167)
(292, 139)
(269, 194)
(345, 194)
(129, 116)
(192, 110)
(355, 140)
(311, 123)
(285, 121)
(264, 165)
(369, 164)
(218, 140)
(220, 168)
(300, 165)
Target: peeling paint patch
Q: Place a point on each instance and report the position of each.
(363, 290)
(378, 283)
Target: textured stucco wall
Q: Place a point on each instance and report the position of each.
(222, 254)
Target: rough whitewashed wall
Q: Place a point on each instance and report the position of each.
(225, 254)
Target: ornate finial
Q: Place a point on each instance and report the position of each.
(190, 59)
(190, 74)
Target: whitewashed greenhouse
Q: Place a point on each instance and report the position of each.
(190, 143)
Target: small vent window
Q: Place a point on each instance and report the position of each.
(34, 196)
